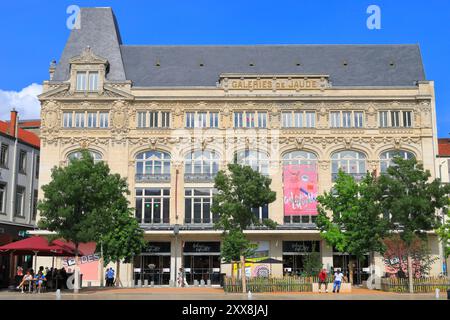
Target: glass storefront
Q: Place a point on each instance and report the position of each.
(294, 255)
(201, 261)
(356, 270)
(153, 264)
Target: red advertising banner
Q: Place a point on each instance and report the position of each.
(300, 189)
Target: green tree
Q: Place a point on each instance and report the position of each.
(412, 201)
(80, 201)
(444, 232)
(124, 240)
(355, 225)
(240, 191)
(312, 263)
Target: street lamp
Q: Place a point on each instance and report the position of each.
(176, 231)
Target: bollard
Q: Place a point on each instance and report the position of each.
(58, 294)
(146, 283)
(249, 295)
(89, 283)
(448, 294)
(152, 283)
(202, 283)
(139, 283)
(437, 293)
(195, 283)
(209, 283)
(171, 283)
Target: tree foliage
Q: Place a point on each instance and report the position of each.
(124, 239)
(81, 200)
(235, 245)
(355, 224)
(238, 193)
(312, 263)
(411, 199)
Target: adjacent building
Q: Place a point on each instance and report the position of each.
(19, 172)
(169, 117)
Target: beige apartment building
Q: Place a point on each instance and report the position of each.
(169, 117)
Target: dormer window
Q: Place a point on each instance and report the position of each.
(87, 80)
(81, 81)
(88, 72)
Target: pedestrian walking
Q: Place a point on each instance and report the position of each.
(338, 276)
(323, 279)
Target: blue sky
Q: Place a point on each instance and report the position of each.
(34, 32)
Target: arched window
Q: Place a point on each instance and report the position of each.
(299, 157)
(201, 165)
(153, 166)
(259, 161)
(349, 161)
(77, 155)
(386, 158)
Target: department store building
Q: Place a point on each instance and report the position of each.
(168, 118)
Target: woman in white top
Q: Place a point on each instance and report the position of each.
(27, 278)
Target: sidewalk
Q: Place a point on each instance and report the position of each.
(167, 293)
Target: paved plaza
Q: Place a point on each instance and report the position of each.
(212, 294)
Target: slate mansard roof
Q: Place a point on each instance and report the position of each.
(201, 65)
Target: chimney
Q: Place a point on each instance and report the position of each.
(52, 69)
(13, 123)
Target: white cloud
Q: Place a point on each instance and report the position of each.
(24, 101)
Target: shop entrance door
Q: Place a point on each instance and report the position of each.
(153, 268)
(202, 267)
(350, 264)
(293, 264)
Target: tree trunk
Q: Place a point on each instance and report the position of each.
(410, 273)
(233, 278)
(350, 271)
(372, 270)
(76, 273)
(118, 282)
(243, 277)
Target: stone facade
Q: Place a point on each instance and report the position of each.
(125, 138)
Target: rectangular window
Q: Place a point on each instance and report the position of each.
(23, 162)
(407, 122)
(213, 119)
(298, 119)
(261, 213)
(383, 119)
(93, 81)
(67, 119)
(92, 119)
(152, 205)
(262, 119)
(310, 119)
(4, 156)
(346, 119)
(238, 116)
(79, 119)
(2, 198)
(153, 119)
(35, 202)
(358, 116)
(190, 119)
(38, 161)
(201, 120)
(81, 81)
(103, 119)
(286, 120)
(165, 119)
(20, 201)
(335, 120)
(249, 119)
(395, 118)
(198, 204)
(142, 119)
